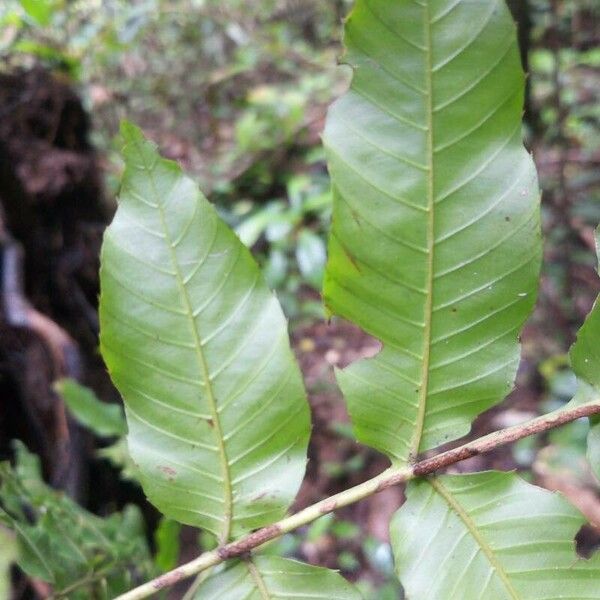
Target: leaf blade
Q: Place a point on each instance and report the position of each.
(266, 577)
(493, 536)
(102, 418)
(585, 360)
(183, 305)
(430, 252)
(585, 352)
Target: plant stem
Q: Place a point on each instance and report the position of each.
(389, 478)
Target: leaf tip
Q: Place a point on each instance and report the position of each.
(135, 143)
(130, 132)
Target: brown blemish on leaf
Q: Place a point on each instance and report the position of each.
(170, 471)
(351, 259)
(346, 252)
(356, 218)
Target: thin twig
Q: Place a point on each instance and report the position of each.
(389, 478)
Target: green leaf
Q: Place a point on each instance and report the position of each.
(118, 456)
(198, 347)
(585, 352)
(311, 256)
(250, 230)
(63, 544)
(489, 536)
(40, 11)
(435, 244)
(102, 418)
(585, 360)
(8, 555)
(166, 538)
(271, 577)
(593, 442)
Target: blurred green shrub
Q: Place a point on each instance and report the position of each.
(83, 556)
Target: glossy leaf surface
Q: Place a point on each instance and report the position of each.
(490, 535)
(198, 347)
(274, 578)
(435, 244)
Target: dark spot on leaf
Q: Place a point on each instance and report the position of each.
(167, 470)
(348, 254)
(210, 422)
(356, 217)
(507, 218)
(454, 309)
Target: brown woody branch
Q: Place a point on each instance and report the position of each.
(389, 478)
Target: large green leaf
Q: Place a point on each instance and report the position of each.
(585, 359)
(272, 578)
(435, 245)
(490, 536)
(63, 544)
(198, 347)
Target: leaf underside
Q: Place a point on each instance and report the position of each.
(274, 578)
(435, 244)
(585, 360)
(490, 535)
(198, 347)
(585, 353)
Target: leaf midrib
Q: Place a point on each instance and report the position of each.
(428, 308)
(479, 539)
(258, 580)
(189, 313)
